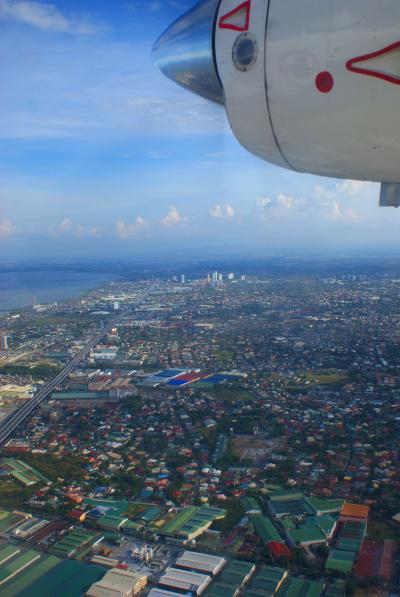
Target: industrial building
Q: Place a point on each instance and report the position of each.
(191, 522)
(75, 542)
(315, 530)
(220, 589)
(29, 528)
(118, 583)
(265, 528)
(354, 513)
(268, 580)
(10, 520)
(27, 572)
(157, 592)
(201, 562)
(301, 586)
(22, 472)
(233, 578)
(237, 572)
(184, 581)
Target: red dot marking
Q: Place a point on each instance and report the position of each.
(324, 82)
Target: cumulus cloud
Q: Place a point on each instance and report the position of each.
(222, 211)
(67, 226)
(84, 232)
(346, 189)
(7, 228)
(276, 207)
(355, 187)
(336, 203)
(339, 213)
(172, 218)
(40, 15)
(345, 201)
(126, 231)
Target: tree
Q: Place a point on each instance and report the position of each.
(234, 513)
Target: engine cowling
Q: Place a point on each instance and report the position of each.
(311, 86)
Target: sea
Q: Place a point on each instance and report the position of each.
(19, 289)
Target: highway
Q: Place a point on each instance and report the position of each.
(9, 425)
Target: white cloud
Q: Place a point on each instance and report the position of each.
(85, 232)
(285, 202)
(354, 187)
(222, 211)
(263, 202)
(346, 189)
(330, 204)
(345, 201)
(172, 218)
(125, 231)
(67, 226)
(40, 15)
(7, 228)
(277, 207)
(339, 213)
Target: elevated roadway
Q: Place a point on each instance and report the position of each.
(8, 426)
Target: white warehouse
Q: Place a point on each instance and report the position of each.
(182, 580)
(201, 562)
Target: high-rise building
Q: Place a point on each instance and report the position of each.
(116, 305)
(183, 279)
(215, 276)
(231, 276)
(4, 341)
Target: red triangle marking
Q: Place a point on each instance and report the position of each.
(350, 64)
(226, 22)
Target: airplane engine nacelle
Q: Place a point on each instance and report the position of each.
(310, 85)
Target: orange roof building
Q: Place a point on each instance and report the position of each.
(354, 511)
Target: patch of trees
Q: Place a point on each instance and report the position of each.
(41, 371)
(234, 513)
(69, 467)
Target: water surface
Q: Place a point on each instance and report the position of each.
(17, 289)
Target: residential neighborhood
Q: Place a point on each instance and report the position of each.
(231, 435)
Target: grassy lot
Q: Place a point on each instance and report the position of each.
(224, 355)
(369, 593)
(136, 509)
(324, 378)
(381, 530)
(315, 378)
(54, 320)
(228, 394)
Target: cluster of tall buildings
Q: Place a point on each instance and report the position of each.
(4, 341)
(218, 278)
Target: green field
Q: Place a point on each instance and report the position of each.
(324, 378)
(315, 378)
(380, 530)
(53, 320)
(225, 355)
(227, 394)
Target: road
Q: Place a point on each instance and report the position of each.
(8, 426)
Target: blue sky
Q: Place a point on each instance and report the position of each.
(101, 155)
